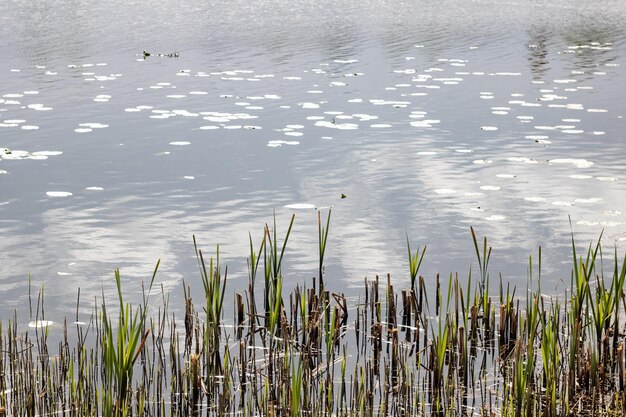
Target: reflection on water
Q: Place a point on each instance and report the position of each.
(428, 117)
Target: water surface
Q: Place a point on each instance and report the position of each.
(430, 117)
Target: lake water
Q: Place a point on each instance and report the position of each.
(430, 117)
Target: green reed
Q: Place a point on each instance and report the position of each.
(121, 342)
(314, 352)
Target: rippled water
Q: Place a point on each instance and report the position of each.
(430, 117)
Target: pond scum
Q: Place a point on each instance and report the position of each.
(452, 350)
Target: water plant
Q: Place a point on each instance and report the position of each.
(310, 351)
(121, 341)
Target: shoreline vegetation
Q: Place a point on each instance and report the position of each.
(403, 350)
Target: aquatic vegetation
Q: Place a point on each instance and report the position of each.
(456, 349)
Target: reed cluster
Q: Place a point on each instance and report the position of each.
(453, 349)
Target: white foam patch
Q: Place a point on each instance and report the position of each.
(340, 126)
(180, 143)
(427, 153)
(488, 128)
(83, 130)
(592, 200)
(13, 154)
(278, 143)
(58, 193)
(300, 206)
(579, 163)
(580, 177)
(587, 223)
(522, 159)
(102, 98)
(365, 117)
(93, 125)
(445, 191)
(424, 123)
(535, 199)
(607, 179)
(495, 217)
(40, 324)
(489, 187)
(29, 127)
(47, 153)
(94, 188)
(39, 107)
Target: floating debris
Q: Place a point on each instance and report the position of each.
(147, 54)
